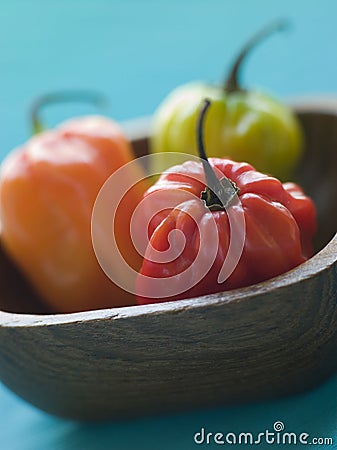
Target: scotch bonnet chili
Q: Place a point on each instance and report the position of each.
(189, 208)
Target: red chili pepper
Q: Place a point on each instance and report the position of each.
(279, 223)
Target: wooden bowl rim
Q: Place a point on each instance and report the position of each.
(323, 260)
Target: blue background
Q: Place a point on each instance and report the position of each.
(136, 52)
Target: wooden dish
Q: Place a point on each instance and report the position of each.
(268, 340)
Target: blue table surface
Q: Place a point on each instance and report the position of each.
(136, 52)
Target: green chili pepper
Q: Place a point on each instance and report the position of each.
(245, 125)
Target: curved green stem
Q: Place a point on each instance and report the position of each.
(218, 194)
(92, 97)
(232, 82)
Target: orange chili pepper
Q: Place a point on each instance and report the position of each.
(47, 191)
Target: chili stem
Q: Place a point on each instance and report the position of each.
(61, 97)
(232, 82)
(211, 179)
(218, 194)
